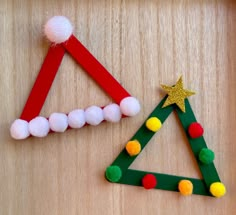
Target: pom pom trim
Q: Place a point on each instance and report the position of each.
(133, 147)
(58, 29)
(185, 187)
(195, 130)
(20, 129)
(61, 131)
(113, 173)
(206, 156)
(153, 124)
(217, 189)
(149, 181)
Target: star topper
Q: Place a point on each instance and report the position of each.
(176, 95)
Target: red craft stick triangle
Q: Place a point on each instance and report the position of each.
(59, 30)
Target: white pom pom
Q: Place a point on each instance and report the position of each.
(94, 115)
(39, 127)
(58, 29)
(76, 118)
(112, 113)
(58, 122)
(19, 129)
(130, 106)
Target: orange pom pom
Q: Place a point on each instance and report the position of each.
(185, 187)
(133, 147)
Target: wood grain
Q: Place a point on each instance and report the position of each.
(143, 44)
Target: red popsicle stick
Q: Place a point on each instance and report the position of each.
(95, 69)
(43, 83)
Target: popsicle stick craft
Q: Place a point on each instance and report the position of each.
(60, 32)
(176, 100)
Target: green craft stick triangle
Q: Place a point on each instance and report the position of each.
(165, 181)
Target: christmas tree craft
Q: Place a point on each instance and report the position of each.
(176, 100)
(60, 32)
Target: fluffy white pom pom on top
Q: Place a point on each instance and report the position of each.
(39, 127)
(19, 129)
(58, 29)
(112, 113)
(94, 115)
(76, 118)
(58, 122)
(130, 106)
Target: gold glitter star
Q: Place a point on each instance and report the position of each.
(176, 95)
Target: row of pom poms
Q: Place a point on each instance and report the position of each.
(195, 130)
(59, 122)
(149, 181)
(205, 156)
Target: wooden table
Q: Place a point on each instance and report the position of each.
(143, 44)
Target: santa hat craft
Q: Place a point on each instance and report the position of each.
(60, 32)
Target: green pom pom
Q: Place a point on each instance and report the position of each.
(113, 173)
(206, 156)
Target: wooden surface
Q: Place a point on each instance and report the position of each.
(143, 44)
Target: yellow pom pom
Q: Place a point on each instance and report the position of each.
(133, 147)
(153, 124)
(217, 189)
(185, 187)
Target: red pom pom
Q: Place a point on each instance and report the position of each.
(149, 181)
(195, 130)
